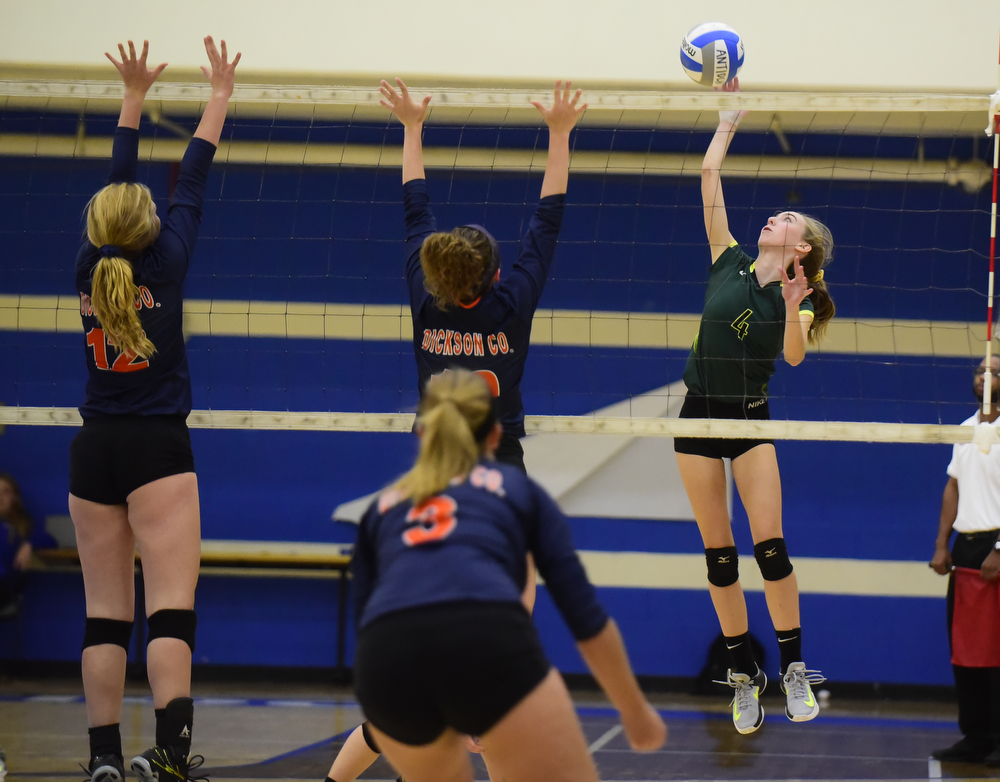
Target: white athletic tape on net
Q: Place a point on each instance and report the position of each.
(871, 432)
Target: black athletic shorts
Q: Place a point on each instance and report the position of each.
(462, 665)
(113, 456)
(510, 451)
(721, 447)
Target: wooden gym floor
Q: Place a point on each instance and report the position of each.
(256, 731)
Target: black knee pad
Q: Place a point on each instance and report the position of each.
(772, 559)
(173, 623)
(107, 631)
(369, 738)
(723, 566)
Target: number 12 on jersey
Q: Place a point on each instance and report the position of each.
(126, 361)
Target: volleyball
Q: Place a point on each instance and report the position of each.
(712, 53)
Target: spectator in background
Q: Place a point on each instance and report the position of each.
(970, 507)
(18, 539)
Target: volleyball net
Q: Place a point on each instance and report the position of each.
(296, 312)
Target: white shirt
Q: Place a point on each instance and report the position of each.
(978, 476)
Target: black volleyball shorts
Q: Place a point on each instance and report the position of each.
(113, 456)
(462, 665)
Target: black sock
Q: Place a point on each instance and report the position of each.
(105, 740)
(173, 726)
(790, 646)
(741, 653)
(329, 779)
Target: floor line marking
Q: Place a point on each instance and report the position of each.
(604, 739)
(933, 768)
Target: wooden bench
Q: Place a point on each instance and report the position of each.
(248, 559)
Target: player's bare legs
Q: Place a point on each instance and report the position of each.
(107, 558)
(705, 482)
(166, 521)
(759, 483)
(354, 757)
(518, 750)
(443, 760)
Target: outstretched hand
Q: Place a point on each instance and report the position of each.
(795, 289)
(136, 76)
(732, 116)
(564, 113)
(407, 110)
(222, 73)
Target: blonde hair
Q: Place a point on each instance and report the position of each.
(455, 404)
(820, 239)
(454, 265)
(121, 215)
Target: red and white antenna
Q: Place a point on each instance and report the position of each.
(992, 129)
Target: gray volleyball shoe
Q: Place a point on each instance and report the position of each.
(748, 714)
(800, 702)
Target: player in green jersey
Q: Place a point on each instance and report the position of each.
(755, 311)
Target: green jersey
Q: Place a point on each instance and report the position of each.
(741, 334)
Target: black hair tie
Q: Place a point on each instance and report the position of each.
(483, 430)
(111, 251)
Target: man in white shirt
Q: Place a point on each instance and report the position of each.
(971, 508)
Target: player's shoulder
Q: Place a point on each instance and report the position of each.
(504, 481)
(734, 256)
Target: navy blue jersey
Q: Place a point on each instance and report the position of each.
(491, 337)
(120, 383)
(470, 543)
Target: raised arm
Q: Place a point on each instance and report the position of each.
(137, 78)
(561, 119)
(412, 115)
(716, 220)
(221, 76)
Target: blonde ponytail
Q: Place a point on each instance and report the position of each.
(455, 404)
(121, 218)
(113, 294)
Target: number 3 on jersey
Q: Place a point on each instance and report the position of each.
(126, 361)
(434, 520)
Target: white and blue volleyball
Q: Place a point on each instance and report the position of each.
(712, 53)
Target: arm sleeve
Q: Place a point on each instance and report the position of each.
(954, 469)
(552, 545)
(124, 156)
(180, 230)
(420, 224)
(363, 566)
(527, 278)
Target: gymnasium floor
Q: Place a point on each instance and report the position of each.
(292, 732)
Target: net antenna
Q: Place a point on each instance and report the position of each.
(992, 129)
